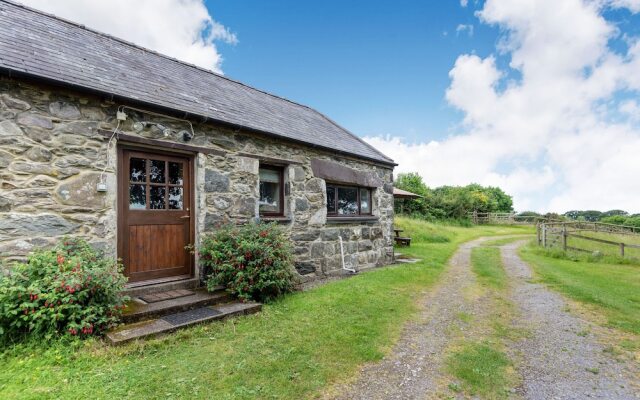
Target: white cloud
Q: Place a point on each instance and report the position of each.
(631, 109)
(182, 29)
(545, 133)
(464, 3)
(632, 5)
(461, 28)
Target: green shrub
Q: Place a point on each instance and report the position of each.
(70, 289)
(614, 219)
(253, 261)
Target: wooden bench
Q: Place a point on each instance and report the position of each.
(402, 241)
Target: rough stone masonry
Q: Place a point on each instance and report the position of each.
(53, 152)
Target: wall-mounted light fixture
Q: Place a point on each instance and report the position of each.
(186, 135)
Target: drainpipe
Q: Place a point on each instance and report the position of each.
(344, 266)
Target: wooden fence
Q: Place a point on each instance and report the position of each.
(480, 218)
(558, 234)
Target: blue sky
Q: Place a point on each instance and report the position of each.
(374, 67)
(541, 98)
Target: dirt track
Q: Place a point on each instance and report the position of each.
(561, 357)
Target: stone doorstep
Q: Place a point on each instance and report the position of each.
(138, 310)
(134, 290)
(169, 295)
(407, 260)
(145, 329)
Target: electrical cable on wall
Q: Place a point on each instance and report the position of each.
(102, 183)
(122, 116)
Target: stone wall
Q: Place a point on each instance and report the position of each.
(53, 155)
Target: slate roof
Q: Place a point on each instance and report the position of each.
(37, 44)
(404, 194)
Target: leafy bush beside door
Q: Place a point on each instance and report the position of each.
(70, 289)
(253, 261)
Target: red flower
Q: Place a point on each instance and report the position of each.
(60, 259)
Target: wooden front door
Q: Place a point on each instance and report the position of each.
(155, 214)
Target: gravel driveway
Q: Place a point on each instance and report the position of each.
(557, 360)
(564, 357)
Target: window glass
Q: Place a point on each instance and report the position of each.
(156, 171)
(331, 199)
(157, 197)
(347, 201)
(137, 170)
(270, 191)
(175, 198)
(137, 197)
(365, 201)
(175, 173)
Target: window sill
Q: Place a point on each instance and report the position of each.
(280, 220)
(347, 220)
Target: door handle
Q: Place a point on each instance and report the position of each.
(185, 217)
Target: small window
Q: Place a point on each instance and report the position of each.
(346, 201)
(271, 190)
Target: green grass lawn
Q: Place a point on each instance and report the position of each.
(612, 251)
(293, 349)
(613, 289)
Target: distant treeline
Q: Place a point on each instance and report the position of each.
(618, 217)
(449, 202)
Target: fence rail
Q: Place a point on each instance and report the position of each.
(499, 218)
(479, 218)
(558, 234)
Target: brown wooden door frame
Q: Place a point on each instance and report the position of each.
(123, 212)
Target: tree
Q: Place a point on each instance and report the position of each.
(450, 202)
(412, 182)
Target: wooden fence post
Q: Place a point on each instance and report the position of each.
(544, 235)
(564, 237)
(538, 233)
(622, 249)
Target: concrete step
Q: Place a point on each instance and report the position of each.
(172, 322)
(138, 310)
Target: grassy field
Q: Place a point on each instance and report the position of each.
(607, 249)
(612, 289)
(293, 349)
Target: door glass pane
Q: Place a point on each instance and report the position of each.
(365, 202)
(137, 170)
(156, 171)
(137, 197)
(347, 201)
(157, 196)
(175, 173)
(175, 198)
(331, 199)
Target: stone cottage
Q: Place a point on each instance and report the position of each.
(142, 155)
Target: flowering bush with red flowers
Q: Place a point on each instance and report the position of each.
(253, 261)
(71, 289)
